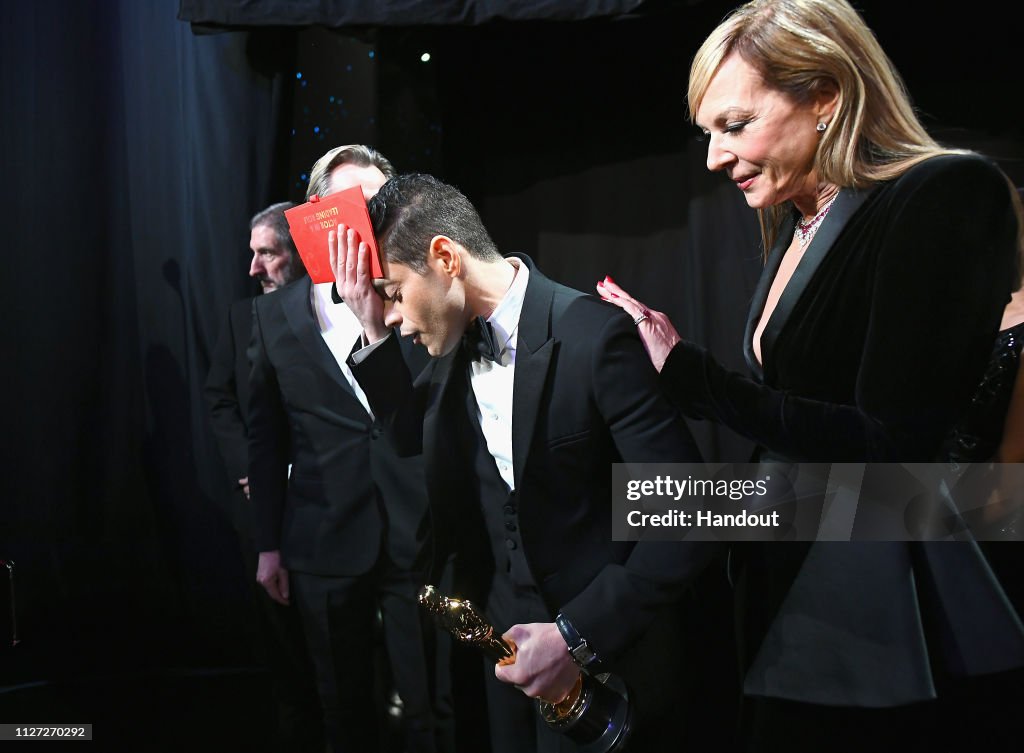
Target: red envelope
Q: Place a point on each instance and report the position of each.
(311, 222)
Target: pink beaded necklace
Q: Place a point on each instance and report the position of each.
(805, 231)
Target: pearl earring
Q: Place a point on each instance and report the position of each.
(822, 127)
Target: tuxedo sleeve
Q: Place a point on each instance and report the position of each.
(395, 399)
(268, 442)
(943, 270)
(221, 393)
(623, 599)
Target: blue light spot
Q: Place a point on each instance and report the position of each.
(330, 98)
(303, 177)
(298, 75)
(293, 132)
(372, 53)
(316, 129)
(304, 84)
(348, 68)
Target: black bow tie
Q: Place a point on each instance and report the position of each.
(479, 342)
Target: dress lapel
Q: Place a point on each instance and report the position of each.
(764, 284)
(845, 206)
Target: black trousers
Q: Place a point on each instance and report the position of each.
(515, 725)
(658, 670)
(339, 618)
(279, 644)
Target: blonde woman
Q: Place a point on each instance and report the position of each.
(889, 262)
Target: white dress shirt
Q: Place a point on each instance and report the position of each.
(339, 328)
(492, 382)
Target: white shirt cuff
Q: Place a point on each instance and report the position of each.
(358, 356)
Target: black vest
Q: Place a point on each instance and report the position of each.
(498, 505)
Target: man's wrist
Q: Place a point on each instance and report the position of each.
(375, 335)
(365, 348)
(581, 652)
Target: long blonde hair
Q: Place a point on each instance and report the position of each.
(801, 46)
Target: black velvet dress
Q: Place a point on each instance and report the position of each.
(871, 355)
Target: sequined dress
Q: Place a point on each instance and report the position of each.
(977, 436)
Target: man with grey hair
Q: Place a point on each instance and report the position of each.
(277, 637)
(275, 262)
(339, 516)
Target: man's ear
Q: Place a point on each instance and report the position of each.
(446, 254)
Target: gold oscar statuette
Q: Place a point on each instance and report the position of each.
(596, 714)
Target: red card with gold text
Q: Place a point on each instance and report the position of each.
(310, 223)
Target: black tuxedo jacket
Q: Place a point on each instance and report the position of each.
(227, 393)
(585, 396)
(227, 389)
(872, 354)
(348, 493)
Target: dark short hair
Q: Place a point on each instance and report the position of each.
(409, 210)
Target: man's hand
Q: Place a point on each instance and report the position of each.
(350, 261)
(272, 576)
(543, 667)
(243, 483)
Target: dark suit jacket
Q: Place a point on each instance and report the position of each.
(872, 353)
(585, 396)
(348, 493)
(227, 389)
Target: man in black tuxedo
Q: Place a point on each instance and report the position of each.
(276, 632)
(518, 449)
(275, 263)
(338, 513)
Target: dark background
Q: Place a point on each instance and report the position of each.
(134, 152)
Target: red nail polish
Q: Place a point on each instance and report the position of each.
(614, 296)
(608, 279)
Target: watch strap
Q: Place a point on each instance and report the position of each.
(582, 654)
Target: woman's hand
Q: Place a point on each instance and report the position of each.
(656, 331)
